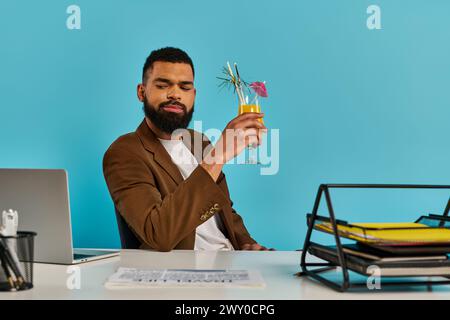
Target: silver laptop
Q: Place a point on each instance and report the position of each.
(41, 198)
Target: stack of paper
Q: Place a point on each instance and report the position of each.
(396, 249)
(134, 278)
(390, 234)
(357, 259)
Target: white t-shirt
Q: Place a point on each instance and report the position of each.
(209, 235)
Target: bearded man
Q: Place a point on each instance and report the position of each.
(168, 196)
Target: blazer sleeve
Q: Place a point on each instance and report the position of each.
(161, 223)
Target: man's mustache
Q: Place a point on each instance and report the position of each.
(173, 103)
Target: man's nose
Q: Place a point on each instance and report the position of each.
(173, 93)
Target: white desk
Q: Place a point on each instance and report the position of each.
(276, 267)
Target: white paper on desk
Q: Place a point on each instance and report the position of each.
(160, 278)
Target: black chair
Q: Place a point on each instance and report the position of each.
(127, 238)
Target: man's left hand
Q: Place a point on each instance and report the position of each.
(255, 247)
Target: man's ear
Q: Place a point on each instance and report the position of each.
(140, 92)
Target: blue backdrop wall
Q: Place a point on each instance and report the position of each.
(352, 104)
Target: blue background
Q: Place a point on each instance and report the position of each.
(353, 105)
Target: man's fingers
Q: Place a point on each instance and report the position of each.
(251, 140)
(245, 116)
(260, 133)
(249, 123)
(255, 247)
(253, 136)
(258, 247)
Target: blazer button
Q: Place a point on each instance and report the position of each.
(216, 206)
(203, 217)
(212, 211)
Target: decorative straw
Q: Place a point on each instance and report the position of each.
(236, 85)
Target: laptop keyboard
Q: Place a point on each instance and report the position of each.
(78, 256)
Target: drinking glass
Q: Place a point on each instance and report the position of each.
(253, 106)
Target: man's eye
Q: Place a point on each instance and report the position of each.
(161, 86)
(185, 88)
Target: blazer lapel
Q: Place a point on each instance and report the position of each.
(153, 145)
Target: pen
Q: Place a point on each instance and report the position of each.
(7, 273)
(11, 245)
(15, 269)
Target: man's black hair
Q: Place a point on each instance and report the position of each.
(167, 54)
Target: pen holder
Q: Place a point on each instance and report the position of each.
(16, 261)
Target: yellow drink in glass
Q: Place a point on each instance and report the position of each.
(243, 108)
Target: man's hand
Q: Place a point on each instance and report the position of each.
(255, 247)
(239, 133)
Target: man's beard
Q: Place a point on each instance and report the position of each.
(166, 121)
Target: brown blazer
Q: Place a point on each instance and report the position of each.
(160, 207)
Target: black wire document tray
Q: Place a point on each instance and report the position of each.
(391, 250)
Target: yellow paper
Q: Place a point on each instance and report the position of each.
(419, 234)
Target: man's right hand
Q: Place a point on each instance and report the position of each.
(242, 131)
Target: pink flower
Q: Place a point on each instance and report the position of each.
(259, 88)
